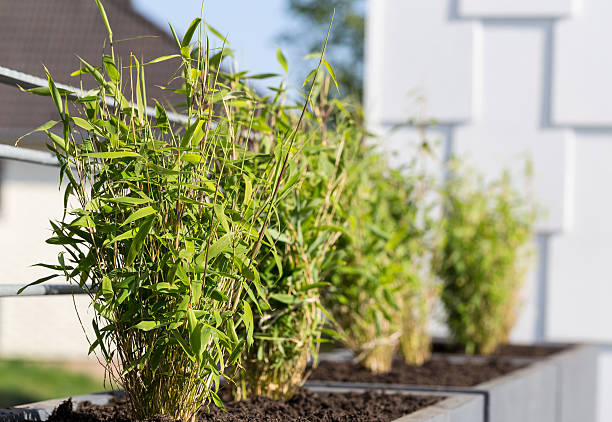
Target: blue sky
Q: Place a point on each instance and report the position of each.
(250, 25)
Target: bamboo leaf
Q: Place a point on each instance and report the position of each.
(217, 34)
(94, 72)
(111, 155)
(55, 94)
(190, 135)
(161, 117)
(174, 34)
(262, 76)
(44, 90)
(146, 325)
(331, 72)
(140, 101)
(143, 231)
(105, 19)
(221, 217)
(284, 298)
(82, 123)
(192, 321)
(124, 236)
(127, 200)
(281, 59)
(41, 128)
(111, 68)
(217, 295)
(190, 31)
(311, 75)
(39, 281)
(162, 59)
(221, 245)
(140, 213)
(247, 318)
(107, 288)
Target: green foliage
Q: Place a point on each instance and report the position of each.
(168, 227)
(483, 257)
(287, 329)
(286, 334)
(347, 41)
(375, 271)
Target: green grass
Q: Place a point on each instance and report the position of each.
(24, 382)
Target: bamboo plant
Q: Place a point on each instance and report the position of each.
(377, 293)
(483, 258)
(167, 224)
(288, 327)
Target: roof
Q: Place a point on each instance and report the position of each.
(53, 33)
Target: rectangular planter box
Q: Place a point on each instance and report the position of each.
(576, 383)
(528, 394)
(557, 388)
(453, 408)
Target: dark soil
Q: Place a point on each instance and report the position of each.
(442, 372)
(508, 350)
(304, 406)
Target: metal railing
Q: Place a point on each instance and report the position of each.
(25, 81)
(9, 290)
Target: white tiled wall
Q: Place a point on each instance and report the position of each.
(445, 53)
(582, 94)
(518, 8)
(509, 79)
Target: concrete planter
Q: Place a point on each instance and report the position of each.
(557, 388)
(453, 408)
(576, 383)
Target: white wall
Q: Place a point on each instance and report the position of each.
(507, 79)
(38, 327)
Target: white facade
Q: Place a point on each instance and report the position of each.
(505, 80)
(35, 327)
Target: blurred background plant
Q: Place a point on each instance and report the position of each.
(378, 294)
(484, 256)
(416, 194)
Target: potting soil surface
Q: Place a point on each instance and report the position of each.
(440, 371)
(507, 350)
(304, 406)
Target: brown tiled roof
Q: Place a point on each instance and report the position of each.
(53, 33)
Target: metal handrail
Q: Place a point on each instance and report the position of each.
(26, 81)
(27, 155)
(10, 290)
